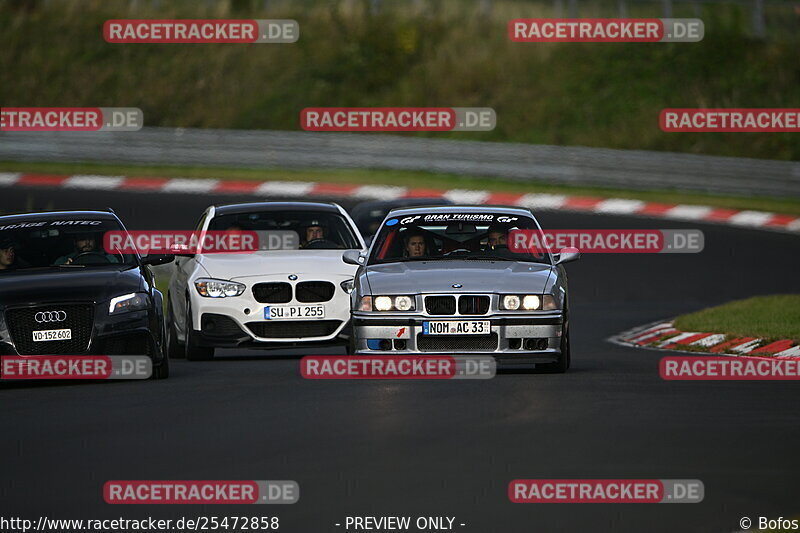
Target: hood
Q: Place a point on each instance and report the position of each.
(67, 285)
(317, 263)
(424, 277)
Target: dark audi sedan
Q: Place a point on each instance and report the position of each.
(63, 293)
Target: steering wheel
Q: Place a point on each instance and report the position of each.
(458, 251)
(76, 259)
(318, 244)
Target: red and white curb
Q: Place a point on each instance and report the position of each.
(309, 189)
(662, 335)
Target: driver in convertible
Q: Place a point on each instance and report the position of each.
(85, 244)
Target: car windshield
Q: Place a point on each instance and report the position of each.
(67, 243)
(447, 236)
(291, 230)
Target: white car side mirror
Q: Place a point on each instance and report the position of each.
(353, 257)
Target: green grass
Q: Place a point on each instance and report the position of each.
(409, 179)
(770, 317)
(446, 53)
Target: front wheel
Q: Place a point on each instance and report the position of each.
(161, 371)
(174, 348)
(195, 352)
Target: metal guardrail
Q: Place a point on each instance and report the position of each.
(600, 167)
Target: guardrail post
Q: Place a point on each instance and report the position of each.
(573, 9)
(623, 9)
(759, 24)
(558, 8)
(666, 6)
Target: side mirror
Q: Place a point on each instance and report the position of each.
(157, 259)
(567, 255)
(353, 257)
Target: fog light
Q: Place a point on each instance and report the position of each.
(399, 344)
(542, 344)
(530, 344)
(385, 344)
(514, 344)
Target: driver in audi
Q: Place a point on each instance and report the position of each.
(85, 243)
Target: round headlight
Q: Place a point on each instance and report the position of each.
(511, 302)
(383, 303)
(231, 289)
(214, 289)
(530, 302)
(402, 303)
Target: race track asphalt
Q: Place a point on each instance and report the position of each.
(428, 447)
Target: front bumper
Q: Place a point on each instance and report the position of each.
(133, 333)
(239, 322)
(514, 338)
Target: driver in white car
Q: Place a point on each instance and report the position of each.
(315, 231)
(85, 244)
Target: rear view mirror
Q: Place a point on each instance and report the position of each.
(157, 259)
(567, 255)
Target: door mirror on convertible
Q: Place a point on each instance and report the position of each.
(567, 255)
(354, 257)
(157, 259)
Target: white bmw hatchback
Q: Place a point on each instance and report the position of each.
(294, 290)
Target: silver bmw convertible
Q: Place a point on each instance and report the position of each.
(444, 280)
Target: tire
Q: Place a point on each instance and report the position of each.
(192, 350)
(161, 371)
(564, 358)
(175, 349)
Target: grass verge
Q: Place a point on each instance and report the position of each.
(769, 317)
(785, 206)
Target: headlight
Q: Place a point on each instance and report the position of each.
(347, 285)
(527, 302)
(403, 303)
(383, 303)
(387, 303)
(135, 301)
(217, 288)
(511, 302)
(531, 302)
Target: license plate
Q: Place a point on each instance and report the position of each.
(293, 312)
(457, 327)
(52, 335)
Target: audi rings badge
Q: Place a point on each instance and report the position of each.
(43, 317)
